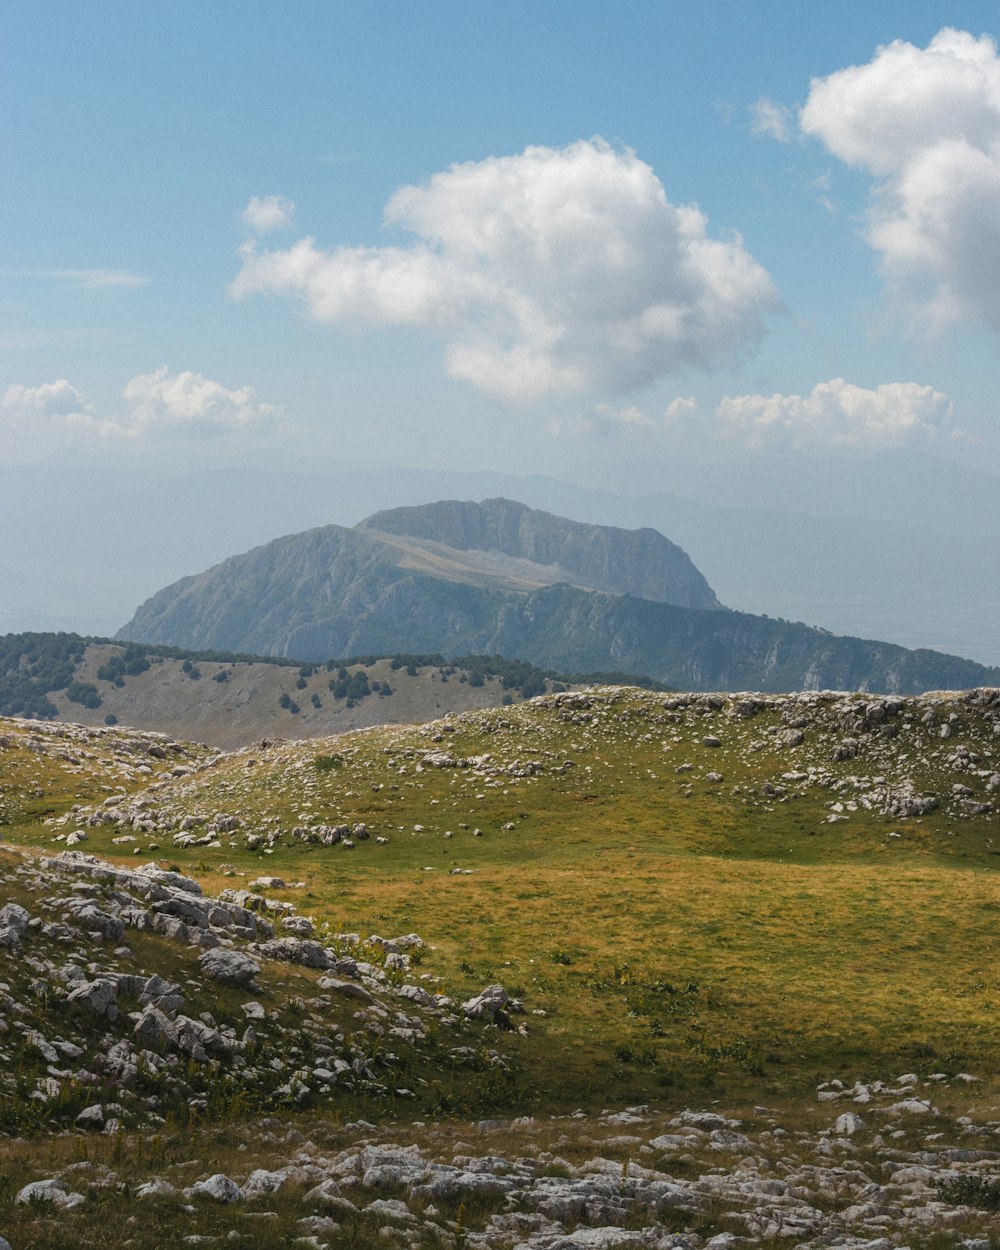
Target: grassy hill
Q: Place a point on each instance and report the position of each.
(694, 889)
(714, 901)
(232, 700)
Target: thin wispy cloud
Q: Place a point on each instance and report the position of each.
(87, 279)
(772, 119)
(339, 158)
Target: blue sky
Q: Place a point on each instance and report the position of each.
(732, 250)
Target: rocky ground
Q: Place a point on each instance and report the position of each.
(876, 1166)
(94, 1034)
(196, 1067)
(97, 1043)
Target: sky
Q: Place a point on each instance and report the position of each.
(735, 251)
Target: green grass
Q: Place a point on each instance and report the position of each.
(681, 934)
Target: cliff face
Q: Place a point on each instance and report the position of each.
(624, 562)
(499, 578)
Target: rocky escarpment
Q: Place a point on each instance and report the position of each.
(407, 580)
(641, 562)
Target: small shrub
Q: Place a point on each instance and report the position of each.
(84, 693)
(970, 1191)
(111, 719)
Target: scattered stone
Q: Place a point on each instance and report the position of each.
(52, 1190)
(230, 967)
(494, 1005)
(218, 1187)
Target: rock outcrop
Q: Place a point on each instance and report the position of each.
(80, 1015)
(641, 562)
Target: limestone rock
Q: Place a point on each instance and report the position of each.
(220, 1188)
(52, 1190)
(230, 967)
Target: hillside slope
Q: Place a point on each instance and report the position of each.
(756, 930)
(230, 701)
(325, 592)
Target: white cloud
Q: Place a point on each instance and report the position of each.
(95, 279)
(53, 402)
(265, 213)
(158, 404)
(926, 124)
(163, 402)
(835, 414)
(551, 272)
(769, 118)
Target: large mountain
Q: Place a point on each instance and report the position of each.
(426, 569)
(500, 578)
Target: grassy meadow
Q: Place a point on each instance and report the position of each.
(665, 881)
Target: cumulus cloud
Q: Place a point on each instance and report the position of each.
(164, 401)
(551, 272)
(925, 123)
(769, 118)
(266, 213)
(836, 414)
(157, 404)
(53, 403)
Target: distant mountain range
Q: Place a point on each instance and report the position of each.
(500, 578)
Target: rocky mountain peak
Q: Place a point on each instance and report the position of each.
(632, 562)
